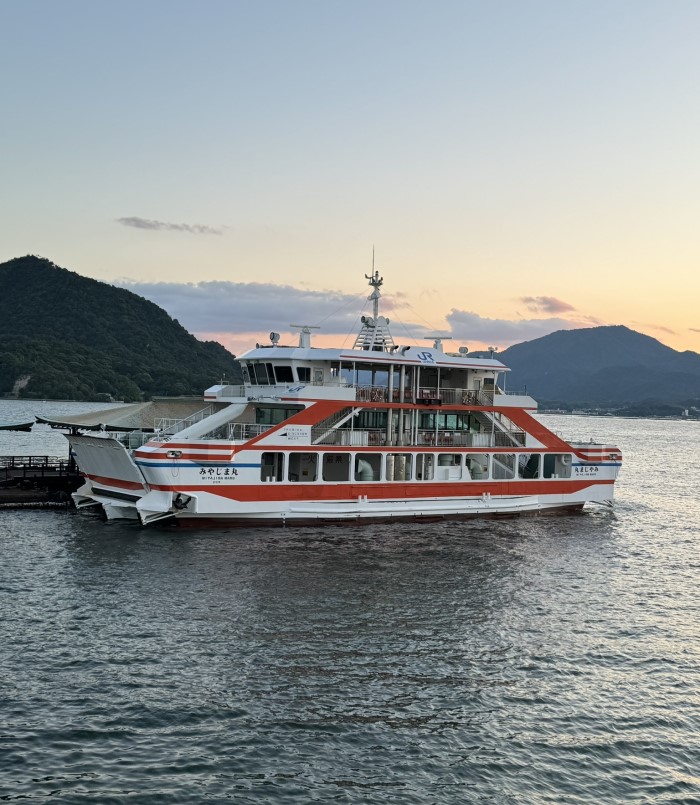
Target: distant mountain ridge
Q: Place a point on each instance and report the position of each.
(602, 366)
(77, 338)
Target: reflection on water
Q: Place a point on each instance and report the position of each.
(525, 660)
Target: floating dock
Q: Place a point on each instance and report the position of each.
(37, 481)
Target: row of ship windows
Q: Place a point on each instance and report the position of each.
(338, 467)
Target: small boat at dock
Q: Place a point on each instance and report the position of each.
(22, 426)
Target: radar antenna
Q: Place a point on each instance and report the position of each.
(305, 333)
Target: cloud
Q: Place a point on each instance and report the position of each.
(468, 326)
(659, 327)
(243, 312)
(546, 304)
(694, 329)
(220, 306)
(149, 223)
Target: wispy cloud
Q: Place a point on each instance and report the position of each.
(149, 223)
(546, 304)
(220, 306)
(694, 329)
(504, 332)
(659, 327)
(224, 310)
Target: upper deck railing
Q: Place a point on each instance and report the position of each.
(370, 393)
(169, 427)
(423, 438)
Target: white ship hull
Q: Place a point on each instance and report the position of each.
(305, 440)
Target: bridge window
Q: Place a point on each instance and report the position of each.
(258, 374)
(304, 374)
(283, 374)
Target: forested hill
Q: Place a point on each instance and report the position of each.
(77, 338)
(605, 366)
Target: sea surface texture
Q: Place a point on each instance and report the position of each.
(543, 660)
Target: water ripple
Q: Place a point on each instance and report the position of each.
(551, 660)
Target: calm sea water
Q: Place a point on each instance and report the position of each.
(549, 660)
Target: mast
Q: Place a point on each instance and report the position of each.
(376, 282)
(375, 333)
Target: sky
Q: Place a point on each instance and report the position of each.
(516, 167)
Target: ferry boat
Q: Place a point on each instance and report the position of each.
(376, 432)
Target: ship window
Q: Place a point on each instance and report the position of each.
(246, 374)
(258, 374)
(528, 465)
(273, 416)
(449, 467)
(398, 467)
(503, 466)
(304, 374)
(283, 374)
(478, 466)
(425, 467)
(368, 420)
(272, 467)
(336, 467)
(303, 467)
(556, 465)
(368, 467)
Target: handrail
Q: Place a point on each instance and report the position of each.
(246, 430)
(169, 426)
(443, 396)
(374, 437)
(32, 461)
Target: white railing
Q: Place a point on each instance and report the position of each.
(424, 438)
(167, 427)
(231, 391)
(242, 431)
(369, 393)
(133, 439)
(445, 396)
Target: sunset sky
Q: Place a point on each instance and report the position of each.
(518, 167)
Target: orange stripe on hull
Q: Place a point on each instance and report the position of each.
(379, 491)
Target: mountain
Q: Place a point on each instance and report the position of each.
(602, 366)
(63, 336)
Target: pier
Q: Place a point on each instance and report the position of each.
(37, 481)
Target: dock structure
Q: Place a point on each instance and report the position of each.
(37, 481)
